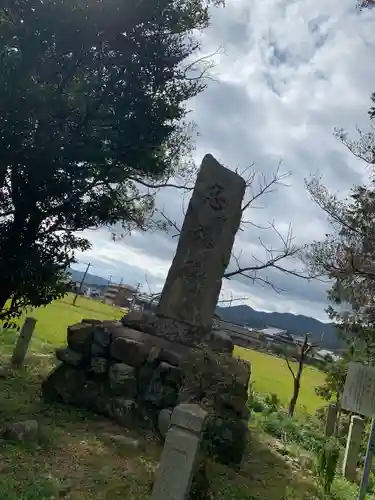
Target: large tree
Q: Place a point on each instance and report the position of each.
(93, 105)
(347, 255)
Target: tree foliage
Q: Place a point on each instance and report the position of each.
(347, 255)
(93, 104)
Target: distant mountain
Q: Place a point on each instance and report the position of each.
(323, 334)
(90, 280)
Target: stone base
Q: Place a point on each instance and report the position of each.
(137, 379)
(178, 331)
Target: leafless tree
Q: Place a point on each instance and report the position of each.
(303, 350)
(286, 257)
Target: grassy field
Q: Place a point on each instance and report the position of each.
(271, 374)
(53, 320)
(76, 459)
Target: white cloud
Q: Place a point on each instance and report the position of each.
(290, 72)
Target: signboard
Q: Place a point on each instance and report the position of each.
(359, 390)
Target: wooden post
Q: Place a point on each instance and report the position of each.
(331, 420)
(23, 341)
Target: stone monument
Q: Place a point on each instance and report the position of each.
(139, 369)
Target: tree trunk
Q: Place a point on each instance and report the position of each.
(296, 388)
(293, 401)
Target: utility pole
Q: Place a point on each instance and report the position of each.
(81, 284)
(135, 296)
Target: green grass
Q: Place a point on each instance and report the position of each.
(76, 461)
(54, 319)
(270, 374)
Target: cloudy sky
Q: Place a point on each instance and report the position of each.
(286, 74)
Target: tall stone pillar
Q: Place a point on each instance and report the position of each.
(193, 284)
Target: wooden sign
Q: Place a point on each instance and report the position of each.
(359, 390)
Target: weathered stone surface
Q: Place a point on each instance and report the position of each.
(129, 351)
(226, 439)
(92, 322)
(193, 283)
(78, 337)
(100, 342)
(125, 411)
(159, 394)
(27, 430)
(123, 381)
(92, 394)
(162, 390)
(64, 384)
(171, 357)
(142, 321)
(164, 421)
(151, 340)
(170, 374)
(353, 444)
(179, 456)
(124, 441)
(69, 356)
(99, 365)
(154, 355)
(220, 341)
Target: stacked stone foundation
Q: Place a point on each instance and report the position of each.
(137, 378)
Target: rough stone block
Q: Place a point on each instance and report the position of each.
(189, 416)
(79, 336)
(142, 321)
(64, 384)
(25, 431)
(164, 421)
(163, 385)
(124, 411)
(226, 439)
(69, 356)
(160, 395)
(171, 357)
(100, 341)
(129, 351)
(99, 365)
(123, 381)
(151, 341)
(92, 322)
(220, 341)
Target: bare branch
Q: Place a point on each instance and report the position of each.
(265, 186)
(289, 367)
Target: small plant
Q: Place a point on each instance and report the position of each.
(328, 458)
(273, 402)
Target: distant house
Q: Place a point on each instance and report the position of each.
(119, 295)
(146, 302)
(276, 335)
(326, 355)
(240, 335)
